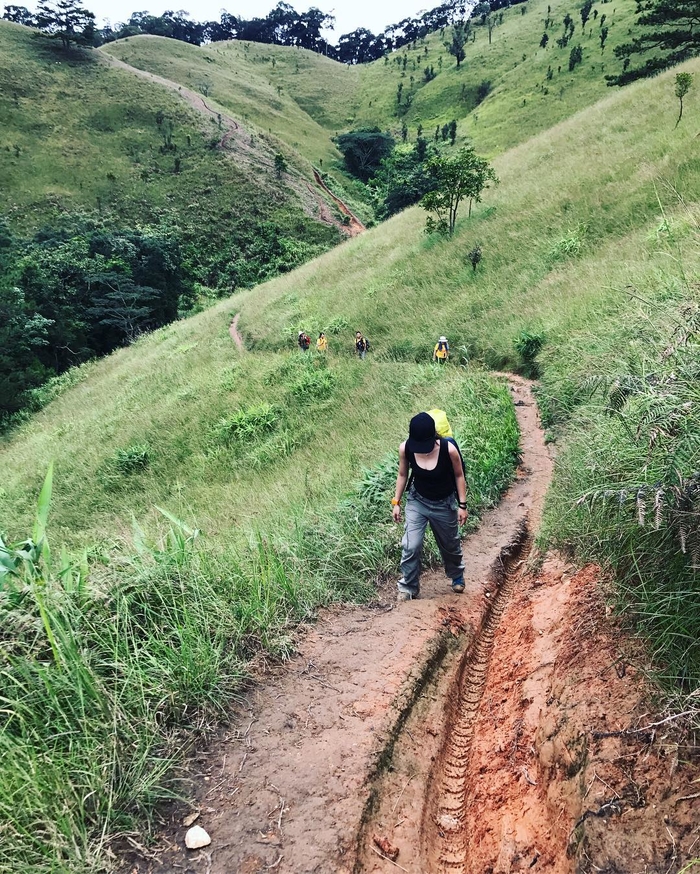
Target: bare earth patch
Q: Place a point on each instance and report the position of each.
(465, 732)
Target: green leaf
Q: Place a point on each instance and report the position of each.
(181, 525)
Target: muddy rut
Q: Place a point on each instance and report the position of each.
(483, 734)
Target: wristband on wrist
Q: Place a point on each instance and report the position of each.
(394, 502)
(462, 505)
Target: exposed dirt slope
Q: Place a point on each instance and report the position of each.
(249, 150)
(476, 733)
(355, 226)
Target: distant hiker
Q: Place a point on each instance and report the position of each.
(304, 341)
(437, 474)
(322, 343)
(361, 344)
(442, 351)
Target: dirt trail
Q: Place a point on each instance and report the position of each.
(236, 334)
(292, 781)
(233, 134)
(355, 226)
(251, 151)
(476, 733)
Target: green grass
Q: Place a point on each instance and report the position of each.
(80, 137)
(265, 451)
(340, 98)
(624, 491)
(304, 99)
(240, 78)
(588, 178)
(110, 675)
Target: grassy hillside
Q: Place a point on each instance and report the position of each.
(591, 249)
(305, 99)
(241, 78)
(522, 100)
(563, 234)
(564, 198)
(81, 140)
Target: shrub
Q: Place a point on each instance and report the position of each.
(528, 345)
(313, 385)
(570, 246)
(247, 423)
(134, 459)
(337, 326)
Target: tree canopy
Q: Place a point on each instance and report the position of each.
(456, 178)
(66, 20)
(364, 150)
(671, 35)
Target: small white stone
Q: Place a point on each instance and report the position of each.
(196, 837)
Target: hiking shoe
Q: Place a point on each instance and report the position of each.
(404, 596)
(458, 585)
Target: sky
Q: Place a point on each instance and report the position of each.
(349, 14)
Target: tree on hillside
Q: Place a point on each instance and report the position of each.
(20, 15)
(280, 165)
(460, 34)
(671, 35)
(364, 150)
(464, 176)
(586, 12)
(66, 20)
(22, 333)
(684, 82)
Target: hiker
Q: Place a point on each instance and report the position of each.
(442, 351)
(322, 343)
(304, 341)
(361, 344)
(437, 473)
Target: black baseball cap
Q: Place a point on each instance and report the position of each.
(421, 434)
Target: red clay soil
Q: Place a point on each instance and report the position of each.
(355, 226)
(554, 787)
(325, 215)
(456, 730)
(235, 333)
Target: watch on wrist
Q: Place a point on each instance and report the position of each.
(394, 502)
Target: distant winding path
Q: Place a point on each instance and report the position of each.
(355, 227)
(234, 136)
(236, 334)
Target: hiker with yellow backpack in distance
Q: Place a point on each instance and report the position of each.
(322, 343)
(441, 352)
(436, 479)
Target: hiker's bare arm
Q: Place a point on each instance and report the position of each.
(460, 482)
(401, 481)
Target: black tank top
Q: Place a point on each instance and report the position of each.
(438, 483)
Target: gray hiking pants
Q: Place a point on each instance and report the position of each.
(442, 518)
